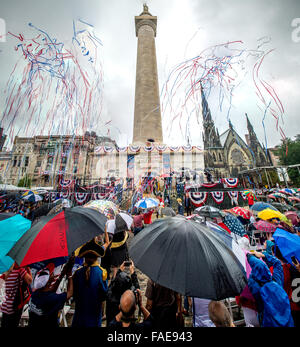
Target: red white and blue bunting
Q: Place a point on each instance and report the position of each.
(66, 183)
(233, 195)
(64, 195)
(218, 197)
(230, 182)
(243, 195)
(198, 199)
(81, 198)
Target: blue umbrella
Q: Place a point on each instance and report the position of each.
(288, 243)
(11, 230)
(147, 203)
(260, 206)
(234, 224)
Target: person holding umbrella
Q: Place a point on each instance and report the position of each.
(45, 303)
(273, 303)
(13, 281)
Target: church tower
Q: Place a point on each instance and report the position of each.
(147, 114)
(259, 153)
(211, 138)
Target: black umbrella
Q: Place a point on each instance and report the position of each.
(6, 215)
(209, 211)
(168, 211)
(43, 210)
(185, 256)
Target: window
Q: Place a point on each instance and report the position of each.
(15, 161)
(26, 161)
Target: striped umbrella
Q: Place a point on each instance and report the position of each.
(58, 235)
(32, 198)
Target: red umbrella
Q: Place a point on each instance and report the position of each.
(240, 211)
(293, 217)
(263, 225)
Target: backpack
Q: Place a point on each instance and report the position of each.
(277, 309)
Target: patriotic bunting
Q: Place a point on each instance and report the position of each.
(198, 199)
(218, 197)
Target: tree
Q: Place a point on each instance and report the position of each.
(289, 154)
(25, 182)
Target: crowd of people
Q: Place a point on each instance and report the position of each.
(101, 283)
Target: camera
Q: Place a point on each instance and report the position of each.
(136, 295)
(127, 263)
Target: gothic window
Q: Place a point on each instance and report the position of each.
(214, 157)
(237, 157)
(220, 157)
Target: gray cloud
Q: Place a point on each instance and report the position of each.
(184, 28)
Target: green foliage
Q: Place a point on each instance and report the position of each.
(25, 182)
(289, 154)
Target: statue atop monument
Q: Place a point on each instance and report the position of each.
(145, 10)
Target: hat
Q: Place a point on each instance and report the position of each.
(91, 247)
(42, 276)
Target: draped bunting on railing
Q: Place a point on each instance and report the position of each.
(230, 182)
(66, 183)
(209, 185)
(218, 197)
(81, 198)
(135, 149)
(198, 199)
(243, 195)
(233, 195)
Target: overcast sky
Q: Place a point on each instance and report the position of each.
(185, 28)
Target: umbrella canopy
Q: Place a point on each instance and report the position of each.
(111, 223)
(234, 224)
(58, 235)
(11, 230)
(168, 211)
(277, 195)
(179, 254)
(43, 210)
(229, 241)
(247, 192)
(297, 206)
(108, 208)
(270, 214)
(240, 211)
(64, 202)
(286, 191)
(289, 244)
(293, 217)
(265, 226)
(6, 215)
(209, 211)
(259, 206)
(32, 198)
(147, 203)
(30, 192)
(282, 207)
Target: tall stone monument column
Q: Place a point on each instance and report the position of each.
(147, 115)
